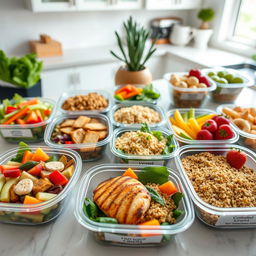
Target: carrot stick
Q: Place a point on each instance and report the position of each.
(16, 116)
(28, 103)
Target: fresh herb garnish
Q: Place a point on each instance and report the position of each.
(155, 196)
(145, 128)
(158, 135)
(150, 174)
(177, 198)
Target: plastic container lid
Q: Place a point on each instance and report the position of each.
(238, 130)
(58, 119)
(27, 126)
(199, 111)
(99, 173)
(194, 149)
(247, 82)
(119, 131)
(167, 77)
(128, 104)
(41, 206)
(69, 94)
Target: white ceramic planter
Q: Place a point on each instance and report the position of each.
(201, 38)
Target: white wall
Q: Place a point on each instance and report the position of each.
(74, 30)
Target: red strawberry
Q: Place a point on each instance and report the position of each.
(204, 80)
(204, 135)
(195, 72)
(220, 120)
(210, 126)
(236, 158)
(224, 132)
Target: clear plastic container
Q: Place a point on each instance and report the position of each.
(87, 151)
(140, 159)
(134, 102)
(14, 133)
(129, 235)
(245, 138)
(211, 215)
(198, 112)
(44, 212)
(188, 97)
(123, 105)
(227, 92)
(68, 94)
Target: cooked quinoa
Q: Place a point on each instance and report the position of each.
(137, 114)
(159, 212)
(218, 184)
(140, 143)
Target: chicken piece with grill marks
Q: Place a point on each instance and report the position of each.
(123, 198)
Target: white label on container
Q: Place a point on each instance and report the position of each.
(192, 96)
(145, 162)
(132, 240)
(230, 90)
(17, 133)
(236, 220)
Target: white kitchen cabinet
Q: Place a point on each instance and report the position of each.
(51, 5)
(172, 4)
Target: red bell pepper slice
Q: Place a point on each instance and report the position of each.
(36, 170)
(69, 142)
(13, 173)
(47, 112)
(39, 116)
(10, 109)
(8, 167)
(32, 118)
(57, 178)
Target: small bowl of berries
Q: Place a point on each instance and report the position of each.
(189, 89)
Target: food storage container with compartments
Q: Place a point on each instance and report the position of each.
(211, 215)
(227, 92)
(87, 151)
(142, 159)
(68, 94)
(123, 234)
(125, 105)
(188, 97)
(14, 133)
(245, 138)
(47, 211)
(198, 112)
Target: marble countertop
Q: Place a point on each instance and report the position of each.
(101, 54)
(65, 236)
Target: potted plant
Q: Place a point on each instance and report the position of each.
(135, 57)
(20, 75)
(203, 34)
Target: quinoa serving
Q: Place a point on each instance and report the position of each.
(140, 143)
(219, 184)
(137, 114)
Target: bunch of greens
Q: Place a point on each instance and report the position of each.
(136, 37)
(169, 147)
(148, 94)
(156, 175)
(23, 72)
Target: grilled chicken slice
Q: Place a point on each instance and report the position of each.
(123, 198)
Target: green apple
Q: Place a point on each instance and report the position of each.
(237, 80)
(229, 77)
(210, 74)
(222, 81)
(221, 73)
(215, 78)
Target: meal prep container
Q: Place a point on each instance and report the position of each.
(69, 94)
(245, 139)
(211, 215)
(227, 92)
(13, 133)
(188, 97)
(135, 102)
(87, 151)
(154, 107)
(198, 112)
(44, 212)
(143, 160)
(129, 235)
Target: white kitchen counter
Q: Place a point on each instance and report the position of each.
(99, 55)
(66, 237)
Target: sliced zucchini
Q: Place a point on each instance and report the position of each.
(43, 196)
(5, 192)
(69, 171)
(28, 165)
(26, 175)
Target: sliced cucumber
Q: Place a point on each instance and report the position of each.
(5, 192)
(29, 165)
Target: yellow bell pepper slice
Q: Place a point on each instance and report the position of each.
(193, 124)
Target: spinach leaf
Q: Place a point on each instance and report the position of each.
(155, 196)
(90, 209)
(158, 175)
(169, 145)
(177, 213)
(106, 220)
(22, 148)
(145, 128)
(158, 135)
(177, 198)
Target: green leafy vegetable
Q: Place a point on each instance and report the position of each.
(155, 196)
(166, 237)
(169, 145)
(90, 209)
(53, 158)
(177, 213)
(150, 174)
(177, 198)
(145, 128)
(106, 220)
(22, 148)
(148, 94)
(158, 135)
